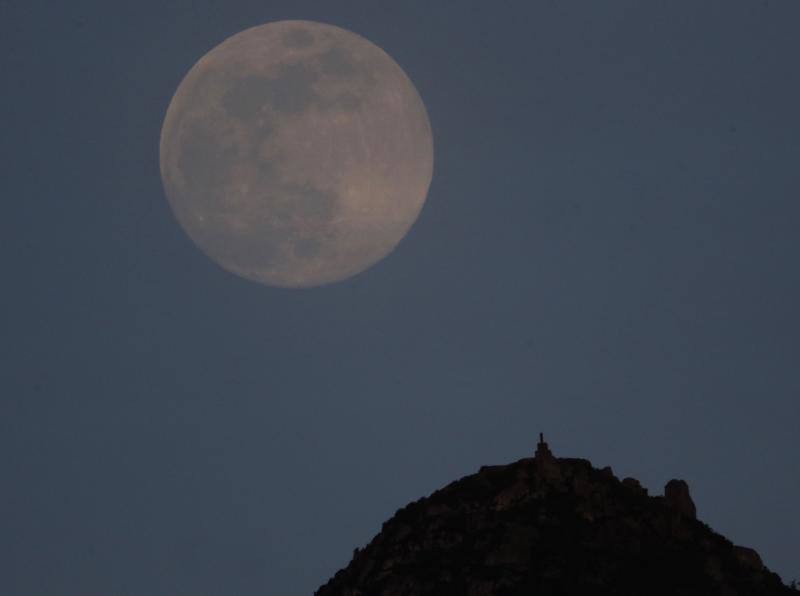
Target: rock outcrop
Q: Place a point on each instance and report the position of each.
(677, 496)
(547, 526)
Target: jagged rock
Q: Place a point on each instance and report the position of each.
(545, 526)
(749, 557)
(634, 485)
(677, 496)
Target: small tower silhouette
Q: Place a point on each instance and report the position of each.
(543, 452)
(547, 467)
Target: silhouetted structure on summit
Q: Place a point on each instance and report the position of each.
(546, 463)
(543, 450)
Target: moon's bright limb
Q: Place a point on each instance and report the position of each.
(296, 154)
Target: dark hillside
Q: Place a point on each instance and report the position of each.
(551, 526)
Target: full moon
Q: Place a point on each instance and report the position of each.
(296, 154)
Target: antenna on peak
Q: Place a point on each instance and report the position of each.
(543, 452)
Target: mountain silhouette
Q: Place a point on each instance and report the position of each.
(547, 526)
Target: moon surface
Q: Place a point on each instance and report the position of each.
(296, 154)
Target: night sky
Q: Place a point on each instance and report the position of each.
(608, 254)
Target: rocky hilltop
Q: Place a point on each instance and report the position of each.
(552, 526)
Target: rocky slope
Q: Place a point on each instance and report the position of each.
(551, 526)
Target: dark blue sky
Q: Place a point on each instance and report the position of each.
(608, 253)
